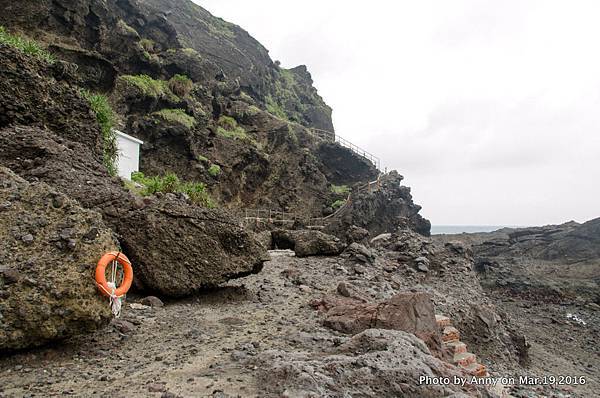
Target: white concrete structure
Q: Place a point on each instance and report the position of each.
(129, 154)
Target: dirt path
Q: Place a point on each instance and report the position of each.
(188, 347)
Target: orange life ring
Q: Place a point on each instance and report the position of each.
(101, 277)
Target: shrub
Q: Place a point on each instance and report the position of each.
(170, 183)
(340, 189)
(214, 170)
(105, 117)
(202, 159)
(25, 45)
(181, 85)
(337, 204)
(149, 86)
(177, 116)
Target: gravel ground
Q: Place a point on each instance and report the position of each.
(202, 346)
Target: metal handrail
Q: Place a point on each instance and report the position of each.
(271, 215)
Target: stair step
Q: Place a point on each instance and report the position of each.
(464, 358)
(475, 369)
(450, 334)
(442, 321)
(455, 347)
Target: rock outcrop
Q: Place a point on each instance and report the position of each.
(524, 262)
(374, 363)
(307, 242)
(50, 247)
(411, 312)
(382, 209)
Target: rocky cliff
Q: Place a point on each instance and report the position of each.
(223, 125)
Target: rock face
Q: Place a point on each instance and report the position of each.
(385, 209)
(570, 242)
(307, 242)
(374, 363)
(524, 262)
(50, 247)
(406, 311)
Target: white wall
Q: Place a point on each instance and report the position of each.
(129, 154)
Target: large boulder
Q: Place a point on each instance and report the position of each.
(307, 242)
(374, 363)
(50, 246)
(411, 312)
(178, 249)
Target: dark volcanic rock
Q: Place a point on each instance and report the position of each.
(387, 209)
(176, 247)
(374, 363)
(307, 242)
(47, 287)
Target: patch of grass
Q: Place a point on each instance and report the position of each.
(227, 122)
(274, 108)
(340, 189)
(202, 159)
(190, 52)
(177, 116)
(214, 170)
(251, 111)
(150, 87)
(170, 183)
(181, 85)
(337, 204)
(238, 133)
(220, 27)
(147, 45)
(126, 29)
(106, 118)
(27, 46)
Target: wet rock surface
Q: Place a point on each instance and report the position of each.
(47, 289)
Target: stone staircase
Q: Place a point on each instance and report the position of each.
(461, 357)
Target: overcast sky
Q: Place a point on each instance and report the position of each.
(490, 109)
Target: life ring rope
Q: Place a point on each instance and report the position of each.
(109, 288)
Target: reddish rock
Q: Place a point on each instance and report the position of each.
(411, 312)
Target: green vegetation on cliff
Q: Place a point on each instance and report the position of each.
(27, 46)
(340, 189)
(151, 87)
(214, 170)
(337, 204)
(228, 128)
(105, 116)
(170, 183)
(177, 116)
(181, 85)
